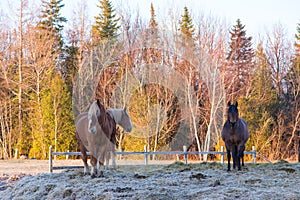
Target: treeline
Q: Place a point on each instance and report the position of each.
(176, 81)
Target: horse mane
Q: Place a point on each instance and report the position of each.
(116, 114)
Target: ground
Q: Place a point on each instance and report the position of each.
(30, 180)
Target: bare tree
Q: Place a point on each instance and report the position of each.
(211, 40)
(278, 51)
(5, 101)
(78, 39)
(20, 64)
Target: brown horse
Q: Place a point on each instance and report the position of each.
(96, 133)
(235, 135)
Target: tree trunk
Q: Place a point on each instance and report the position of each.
(157, 129)
(193, 114)
(55, 105)
(20, 71)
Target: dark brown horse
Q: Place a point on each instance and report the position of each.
(235, 135)
(96, 133)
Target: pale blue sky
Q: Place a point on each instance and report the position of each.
(257, 15)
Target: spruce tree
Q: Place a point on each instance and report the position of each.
(297, 43)
(260, 108)
(153, 24)
(52, 21)
(58, 115)
(152, 40)
(292, 97)
(186, 27)
(239, 64)
(106, 23)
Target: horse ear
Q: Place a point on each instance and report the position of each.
(229, 103)
(236, 104)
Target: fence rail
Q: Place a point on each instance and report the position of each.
(146, 154)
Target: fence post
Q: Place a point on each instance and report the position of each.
(185, 154)
(50, 160)
(16, 153)
(67, 156)
(222, 155)
(254, 154)
(145, 155)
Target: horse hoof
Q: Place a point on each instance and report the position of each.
(93, 176)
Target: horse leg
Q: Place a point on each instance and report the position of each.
(228, 158)
(241, 155)
(107, 155)
(243, 159)
(113, 157)
(100, 172)
(235, 156)
(83, 156)
(238, 161)
(94, 166)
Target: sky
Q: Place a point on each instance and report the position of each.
(258, 16)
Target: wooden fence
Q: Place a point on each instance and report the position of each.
(146, 154)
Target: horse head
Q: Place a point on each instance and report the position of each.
(93, 117)
(122, 118)
(233, 113)
(125, 120)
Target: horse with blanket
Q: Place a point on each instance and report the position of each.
(96, 133)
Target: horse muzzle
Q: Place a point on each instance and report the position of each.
(93, 130)
(129, 129)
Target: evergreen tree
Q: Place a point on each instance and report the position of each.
(52, 21)
(239, 64)
(292, 100)
(70, 65)
(152, 40)
(153, 24)
(106, 23)
(297, 43)
(186, 27)
(58, 115)
(260, 108)
(53, 122)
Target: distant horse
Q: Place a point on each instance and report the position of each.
(235, 135)
(96, 133)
